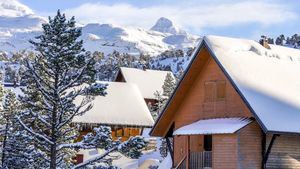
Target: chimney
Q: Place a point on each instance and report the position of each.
(264, 42)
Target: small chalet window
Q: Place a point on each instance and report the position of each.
(214, 91)
(127, 132)
(79, 158)
(134, 132)
(119, 132)
(207, 142)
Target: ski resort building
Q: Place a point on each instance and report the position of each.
(237, 107)
(148, 81)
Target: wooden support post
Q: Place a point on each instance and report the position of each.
(188, 152)
(170, 147)
(266, 155)
(263, 147)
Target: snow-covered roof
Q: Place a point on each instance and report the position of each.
(123, 105)
(16, 90)
(148, 81)
(213, 126)
(268, 79)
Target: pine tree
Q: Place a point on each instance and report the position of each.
(17, 147)
(168, 88)
(101, 138)
(9, 109)
(280, 40)
(54, 80)
(169, 85)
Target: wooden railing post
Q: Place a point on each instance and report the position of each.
(188, 152)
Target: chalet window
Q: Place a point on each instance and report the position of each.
(207, 142)
(134, 132)
(127, 132)
(119, 132)
(79, 158)
(214, 91)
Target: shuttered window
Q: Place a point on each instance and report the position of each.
(214, 91)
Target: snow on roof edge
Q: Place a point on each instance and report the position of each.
(213, 126)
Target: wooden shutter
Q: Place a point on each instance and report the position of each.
(209, 92)
(221, 90)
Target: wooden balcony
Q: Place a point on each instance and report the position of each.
(196, 160)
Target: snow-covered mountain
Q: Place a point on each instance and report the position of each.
(18, 24)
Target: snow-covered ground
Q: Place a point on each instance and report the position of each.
(149, 158)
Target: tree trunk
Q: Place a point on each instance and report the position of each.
(53, 139)
(53, 151)
(4, 146)
(53, 157)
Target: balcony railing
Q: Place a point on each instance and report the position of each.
(197, 160)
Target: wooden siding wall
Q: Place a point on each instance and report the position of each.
(224, 151)
(249, 147)
(180, 145)
(116, 131)
(285, 153)
(120, 77)
(193, 108)
(125, 133)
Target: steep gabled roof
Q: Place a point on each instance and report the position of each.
(266, 79)
(148, 81)
(123, 105)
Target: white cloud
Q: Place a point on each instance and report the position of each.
(192, 16)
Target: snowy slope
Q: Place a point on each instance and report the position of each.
(18, 24)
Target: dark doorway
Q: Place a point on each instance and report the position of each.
(207, 142)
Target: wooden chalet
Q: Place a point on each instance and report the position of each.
(237, 107)
(123, 109)
(148, 81)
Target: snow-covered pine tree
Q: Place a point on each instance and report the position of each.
(156, 108)
(17, 145)
(162, 98)
(11, 75)
(169, 85)
(54, 80)
(10, 107)
(168, 88)
(101, 138)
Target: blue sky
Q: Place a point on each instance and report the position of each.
(237, 18)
